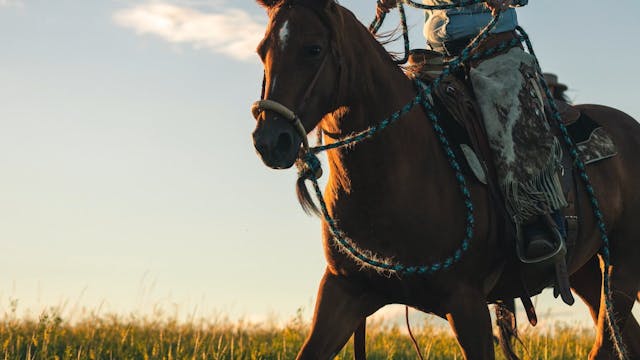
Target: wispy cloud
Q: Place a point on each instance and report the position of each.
(232, 32)
(8, 3)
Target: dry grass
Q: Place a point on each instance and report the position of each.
(114, 337)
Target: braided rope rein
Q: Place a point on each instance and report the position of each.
(370, 260)
(310, 164)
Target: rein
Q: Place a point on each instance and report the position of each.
(310, 165)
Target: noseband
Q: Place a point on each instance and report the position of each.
(271, 105)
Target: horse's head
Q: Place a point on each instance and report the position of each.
(301, 77)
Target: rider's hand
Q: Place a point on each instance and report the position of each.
(498, 5)
(384, 6)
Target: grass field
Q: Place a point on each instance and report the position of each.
(113, 337)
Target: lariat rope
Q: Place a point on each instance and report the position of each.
(377, 23)
(310, 165)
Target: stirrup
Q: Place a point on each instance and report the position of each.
(560, 249)
(558, 256)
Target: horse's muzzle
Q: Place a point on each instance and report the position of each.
(277, 143)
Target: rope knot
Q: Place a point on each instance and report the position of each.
(309, 167)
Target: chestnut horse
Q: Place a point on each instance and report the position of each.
(395, 194)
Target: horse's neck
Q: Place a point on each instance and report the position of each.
(376, 89)
(373, 87)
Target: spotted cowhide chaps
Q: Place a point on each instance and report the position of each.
(526, 153)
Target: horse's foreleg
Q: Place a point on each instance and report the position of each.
(587, 283)
(470, 320)
(341, 306)
(623, 289)
(359, 341)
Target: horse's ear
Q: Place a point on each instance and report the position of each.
(267, 3)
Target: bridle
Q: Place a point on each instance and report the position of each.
(291, 116)
(260, 106)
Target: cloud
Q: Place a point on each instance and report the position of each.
(9, 3)
(232, 32)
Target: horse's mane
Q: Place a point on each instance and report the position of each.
(388, 37)
(342, 21)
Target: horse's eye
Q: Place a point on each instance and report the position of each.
(312, 50)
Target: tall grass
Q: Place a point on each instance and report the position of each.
(116, 337)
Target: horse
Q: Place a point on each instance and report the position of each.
(396, 196)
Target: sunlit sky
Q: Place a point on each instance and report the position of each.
(128, 178)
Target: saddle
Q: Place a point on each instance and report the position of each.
(454, 99)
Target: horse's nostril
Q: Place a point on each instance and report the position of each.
(284, 143)
(261, 148)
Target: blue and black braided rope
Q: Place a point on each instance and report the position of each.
(401, 269)
(311, 162)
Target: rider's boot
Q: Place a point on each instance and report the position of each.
(543, 235)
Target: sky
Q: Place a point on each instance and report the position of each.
(128, 178)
